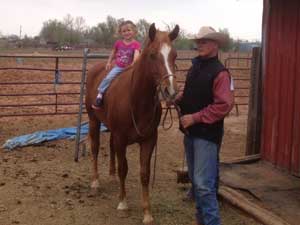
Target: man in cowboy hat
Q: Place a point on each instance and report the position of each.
(206, 99)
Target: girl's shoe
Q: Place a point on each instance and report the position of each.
(98, 104)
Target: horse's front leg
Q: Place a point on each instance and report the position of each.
(119, 145)
(94, 126)
(145, 163)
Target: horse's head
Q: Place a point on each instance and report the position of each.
(161, 55)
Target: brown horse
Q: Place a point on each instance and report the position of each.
(132, 109)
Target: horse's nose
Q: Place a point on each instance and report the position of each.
(172, 90)
(170, 93)
(166, 92)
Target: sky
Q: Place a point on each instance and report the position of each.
(241, 17)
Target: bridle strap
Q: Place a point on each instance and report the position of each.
(156, 102)
(159, 85)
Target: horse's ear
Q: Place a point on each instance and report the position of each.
(152, 32)
(174, 33)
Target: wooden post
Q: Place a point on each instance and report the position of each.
(255, 105)
(260, 214)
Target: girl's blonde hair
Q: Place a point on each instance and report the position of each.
(127, 22)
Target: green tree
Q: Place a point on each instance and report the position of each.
(54, 31)
(105, 33)
(69, 31)
(74, 29)
(230, 45)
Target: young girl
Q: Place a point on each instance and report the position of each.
(125, 52)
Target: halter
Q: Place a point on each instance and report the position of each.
(159, 85)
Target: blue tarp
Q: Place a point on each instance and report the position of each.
(48, 135)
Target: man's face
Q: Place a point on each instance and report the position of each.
(207, 48)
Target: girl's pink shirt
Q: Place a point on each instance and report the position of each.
(125, 52)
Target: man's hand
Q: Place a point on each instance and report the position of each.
(179, 96)
(187, 120)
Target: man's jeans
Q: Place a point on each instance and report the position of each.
(203, 169)
(115, 71)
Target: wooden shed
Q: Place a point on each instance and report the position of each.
(280, 131)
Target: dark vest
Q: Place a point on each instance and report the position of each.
(198, 94)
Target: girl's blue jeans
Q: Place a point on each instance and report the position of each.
(115, 71)
(203, 168)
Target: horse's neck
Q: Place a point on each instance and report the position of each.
(143, 85)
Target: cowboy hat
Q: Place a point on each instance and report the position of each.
(211, 34)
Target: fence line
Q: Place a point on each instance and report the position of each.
(59, 98)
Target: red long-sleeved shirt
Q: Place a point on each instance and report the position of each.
(223, 100)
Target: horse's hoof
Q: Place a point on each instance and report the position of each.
(122, 205)
(95, 184)
(148, 220)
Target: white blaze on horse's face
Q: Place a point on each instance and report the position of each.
(165, 51)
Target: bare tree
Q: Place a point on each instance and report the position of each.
(79, 24)
(142, 28)
(230, 43)
(68, 21)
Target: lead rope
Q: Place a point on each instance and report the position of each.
(185, 131)
(176, 107)
(168, 110)
(154, 166)
(183, 159)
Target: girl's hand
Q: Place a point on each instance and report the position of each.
(108, 66)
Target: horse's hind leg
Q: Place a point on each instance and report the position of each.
(145, 163)
(112, 161)
(94, 132)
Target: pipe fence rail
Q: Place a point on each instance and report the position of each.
(53, 102)
(240, 68)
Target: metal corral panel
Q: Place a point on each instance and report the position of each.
(281, 74)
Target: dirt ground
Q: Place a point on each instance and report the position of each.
(42, 185)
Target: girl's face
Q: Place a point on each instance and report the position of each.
(127, 32)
